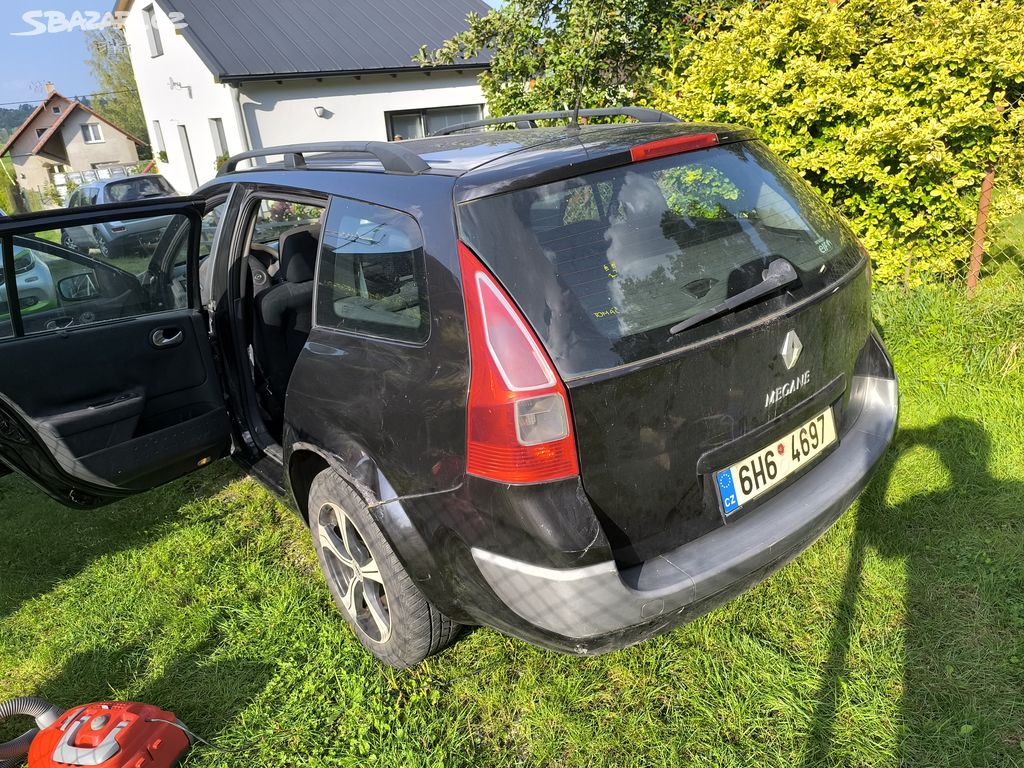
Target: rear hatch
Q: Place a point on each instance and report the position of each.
(646, 283)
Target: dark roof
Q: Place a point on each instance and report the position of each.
(268, 39)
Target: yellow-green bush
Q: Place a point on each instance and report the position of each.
(889, 107)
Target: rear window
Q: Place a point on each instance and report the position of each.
(138, 189)
(603, 265)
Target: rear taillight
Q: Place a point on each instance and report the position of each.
(673, 146)
(519, 429)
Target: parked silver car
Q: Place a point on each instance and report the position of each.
(118, 238)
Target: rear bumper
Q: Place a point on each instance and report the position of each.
(601, 608)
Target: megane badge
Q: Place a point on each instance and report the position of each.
(791, 349)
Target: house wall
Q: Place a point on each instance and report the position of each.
(355, 109)
(193, 105)
(32, 171)
(275, 114)
(116, 148)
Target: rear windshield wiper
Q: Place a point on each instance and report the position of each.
(779, 274)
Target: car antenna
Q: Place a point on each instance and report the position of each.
(574, 124)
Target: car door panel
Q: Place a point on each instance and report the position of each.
(101, 409)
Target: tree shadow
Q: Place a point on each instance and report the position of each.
(204, 693)
(962, 682)
(43, 543)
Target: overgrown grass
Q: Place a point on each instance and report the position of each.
(898, 639)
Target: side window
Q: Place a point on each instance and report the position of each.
(282, 248)
(275, 217)
(179, 262)
(88, 274)
(371, 276)
(83, 197)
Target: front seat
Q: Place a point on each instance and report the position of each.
(284, 312)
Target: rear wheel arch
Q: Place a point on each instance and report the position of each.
(368, 482)
(303, 467)
(376, 594)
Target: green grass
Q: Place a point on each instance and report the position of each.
(896, 640)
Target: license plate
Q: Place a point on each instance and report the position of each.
(745, 480)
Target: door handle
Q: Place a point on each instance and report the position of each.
(162, 338)
(60, 323)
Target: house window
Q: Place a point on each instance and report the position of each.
(220, 140)
(92, 133)
(40, 132)
(186, 148)
(415, 124)
(158, 137)
(156, 48)
(56, 110)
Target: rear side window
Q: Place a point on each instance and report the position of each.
(371, 275)
(603, 265)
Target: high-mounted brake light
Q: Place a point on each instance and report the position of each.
(519, 429)
(673, 146)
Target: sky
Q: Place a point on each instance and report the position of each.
(28, 61)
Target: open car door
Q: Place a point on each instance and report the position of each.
(108, 384)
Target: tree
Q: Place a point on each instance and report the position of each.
(545, 52)
(111, 66)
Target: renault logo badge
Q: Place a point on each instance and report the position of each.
(791, 349)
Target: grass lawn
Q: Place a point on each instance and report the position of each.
(897, 640)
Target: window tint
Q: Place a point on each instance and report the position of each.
(89, 274)
(371, 277)
(140, 188)
(604, 264)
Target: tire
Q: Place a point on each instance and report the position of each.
(69, 242)
(107, 249)
(386, 610)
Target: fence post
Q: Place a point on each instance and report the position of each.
(980, 229)
(981, 225)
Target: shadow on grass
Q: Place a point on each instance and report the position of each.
(43, 543)
(196, 688)
(961, 685)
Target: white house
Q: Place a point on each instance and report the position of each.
(217, 78)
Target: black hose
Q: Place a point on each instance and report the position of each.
(45, 715)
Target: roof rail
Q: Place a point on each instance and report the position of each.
(641, 114)
(394, 158)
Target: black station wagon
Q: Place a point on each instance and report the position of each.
(581, 384)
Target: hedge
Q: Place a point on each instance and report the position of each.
(890, 107)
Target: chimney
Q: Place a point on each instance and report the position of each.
(49, 88)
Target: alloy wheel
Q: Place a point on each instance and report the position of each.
(352, 567)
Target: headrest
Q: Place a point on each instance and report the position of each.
(297, 249)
